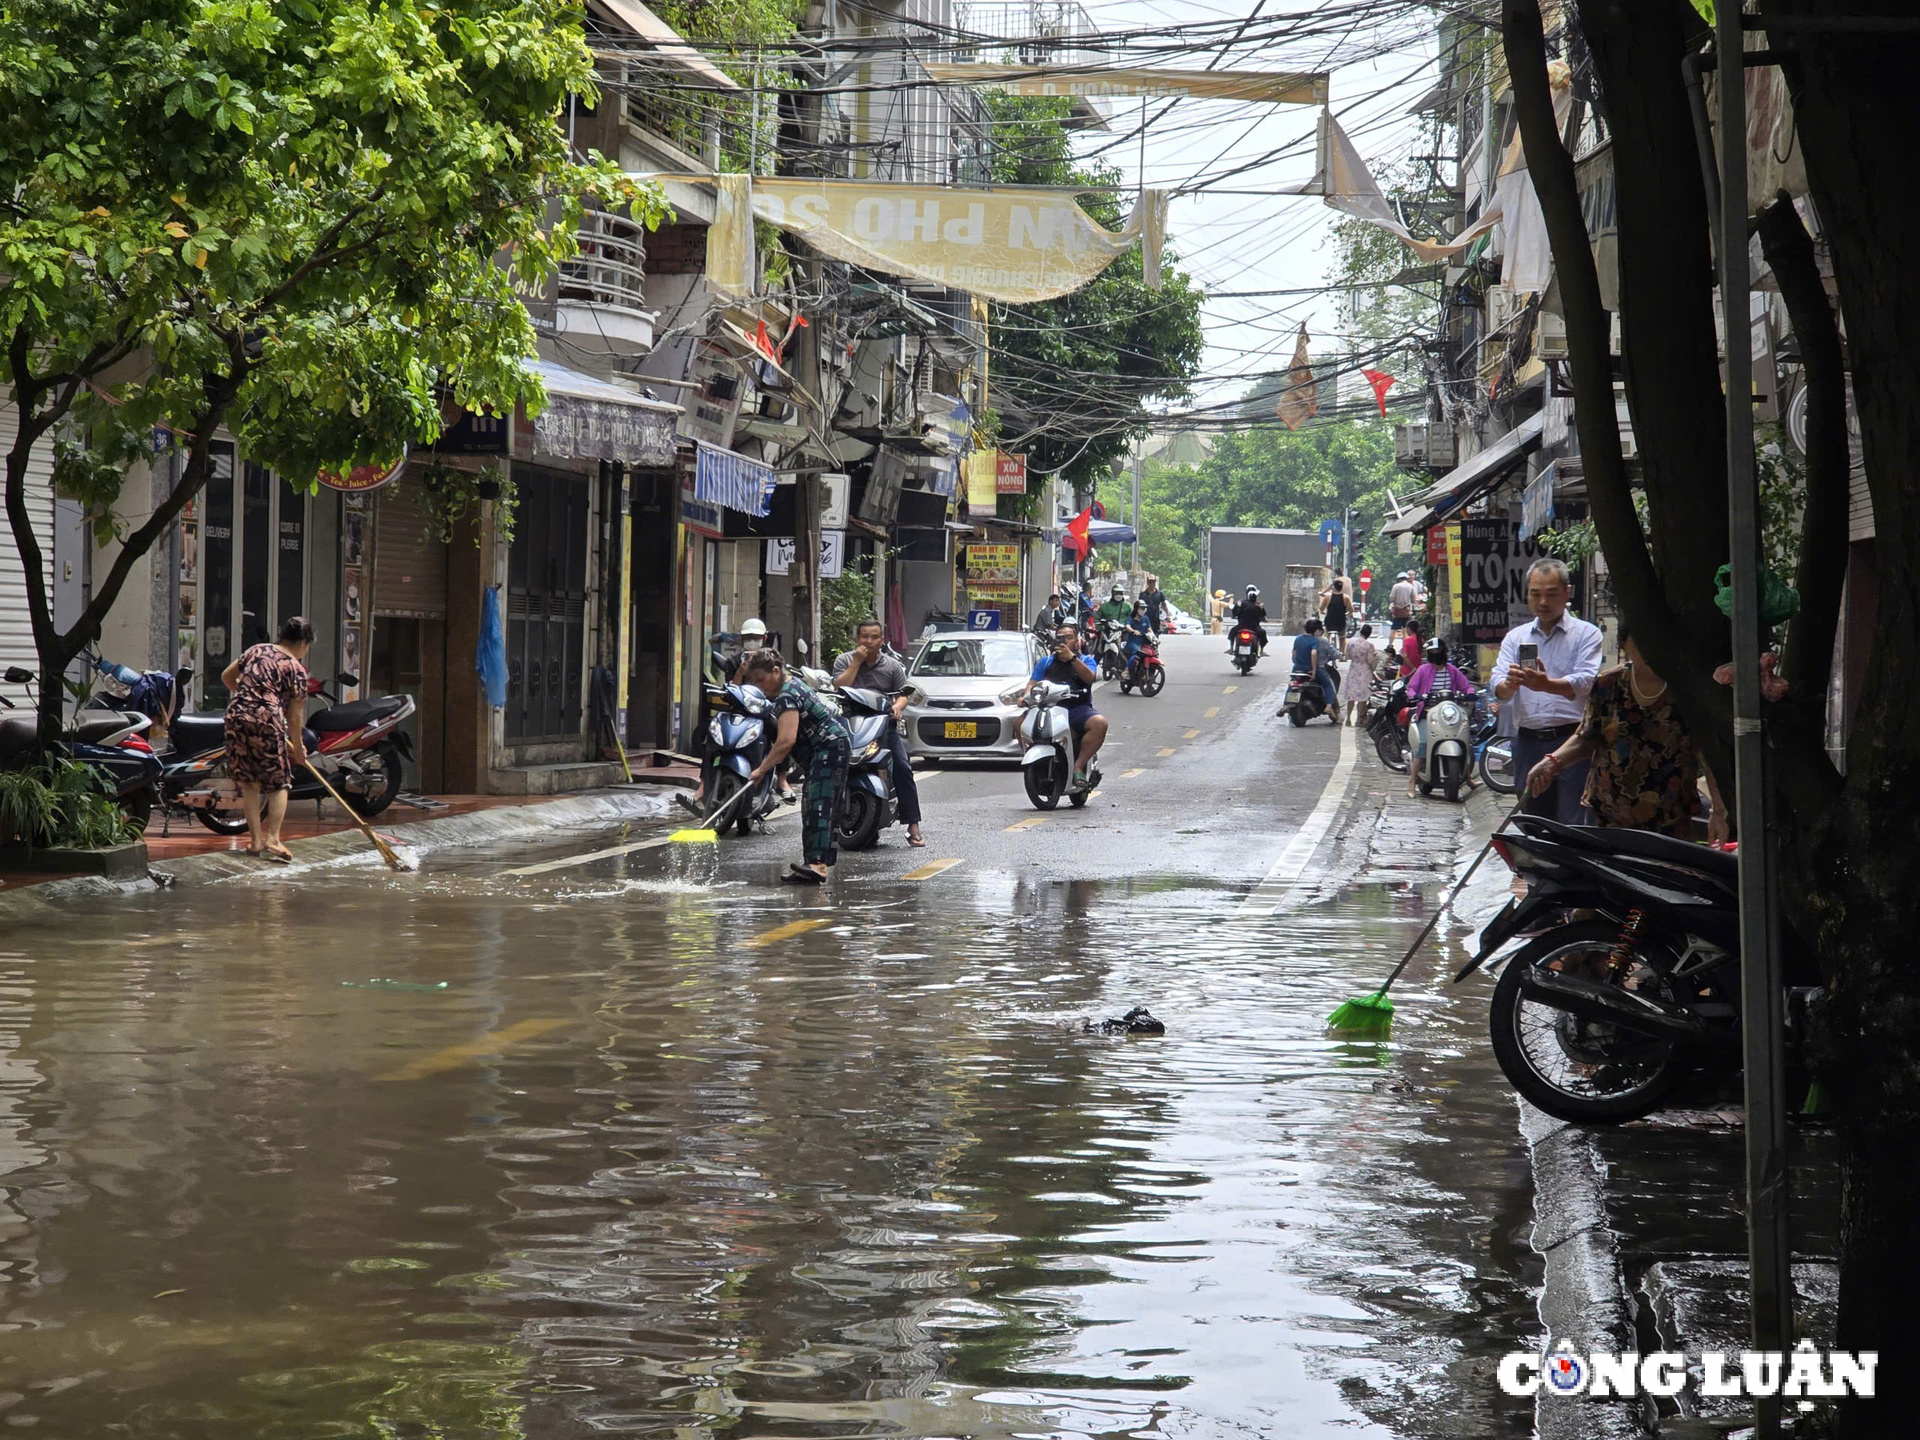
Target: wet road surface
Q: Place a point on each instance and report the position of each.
(651, 1144)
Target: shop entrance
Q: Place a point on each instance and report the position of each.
(547, 606)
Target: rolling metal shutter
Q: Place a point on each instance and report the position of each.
(409, 560)
(16, 630)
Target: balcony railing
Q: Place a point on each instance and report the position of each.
(610, 269)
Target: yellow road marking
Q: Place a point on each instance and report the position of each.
(1191, 735)
(453, 1057)
(785, 932)
(1129, 774)
(1162, 754)
(930, 869)
(1215, 710)
(1026, 824)
(1230, 689)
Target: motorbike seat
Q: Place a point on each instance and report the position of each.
(352, 716)
(1647, 844)
(92, 727)
(195, 733)
(19, 731)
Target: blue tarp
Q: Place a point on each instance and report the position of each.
(490, 654)
(1102, 532)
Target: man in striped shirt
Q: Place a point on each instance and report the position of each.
(1549, 692)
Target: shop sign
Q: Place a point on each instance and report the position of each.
(362, 478)
(993, 565)
(1010, 474)
(700, 516)
(1437, 545)
(833, 550)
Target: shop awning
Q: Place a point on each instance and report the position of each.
(667, 42)
(589, 419)
(724, 477)
(1466, 481)
(1101, 532)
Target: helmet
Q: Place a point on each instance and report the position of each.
(1253, 592)
(1119, 593)
(755, 626)
(1401, 576)
(1219, 594)
(1435, 650)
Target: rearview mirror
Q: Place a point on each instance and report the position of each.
(802, 647)
(344, 678)
(183, 676)
(18, 676)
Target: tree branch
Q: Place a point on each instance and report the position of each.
(1823, 524)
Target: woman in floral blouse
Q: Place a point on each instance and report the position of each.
(1646, 772)
(269, 688)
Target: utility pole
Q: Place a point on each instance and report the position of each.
(1762, 1022)
(1139, 463)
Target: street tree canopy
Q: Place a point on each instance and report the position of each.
(309, 223)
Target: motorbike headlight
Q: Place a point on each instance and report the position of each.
(716, 732)
(867, 752)
(1449, 714)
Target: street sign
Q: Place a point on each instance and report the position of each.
(1099, 511)
(1329, 533)
(1366, 581)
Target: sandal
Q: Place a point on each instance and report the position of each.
(919, 844)
(803, 875)
(280, 855)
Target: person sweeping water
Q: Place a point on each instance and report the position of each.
(268, 684)
(814, 736)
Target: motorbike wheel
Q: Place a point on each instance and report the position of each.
(139, 808)
(726, 785)
(1046, 782)
(1245, 667)
(382, 783)
(1584, 1070)
(1154, 681)
(222, 822)
(1109, 667)
(856, 825)
(1298, 714)
(1391, 747)
(1496, 766)
(1452, 777)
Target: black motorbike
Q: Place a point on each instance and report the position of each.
(1599, 1019)
(111, 743)
(1385, 725)
(867, 802)
(1307, 697)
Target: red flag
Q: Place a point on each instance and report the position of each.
(1380, 380)
(1077, 540)
(764, 342)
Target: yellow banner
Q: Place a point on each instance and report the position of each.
(992, 565)
(1280, 88)
(982, 471)
(1015, 245)
(1456, 575)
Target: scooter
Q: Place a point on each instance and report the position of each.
(360, 746)
(1050, 759)
(1387, 725)
(1493, 754)
(1448, 727)
(736, 744)
(1598, 1020)
(1307, 697)
(1113, 655)
(867, 802)
(1144, 672)
(1245, 648)
(111, 743)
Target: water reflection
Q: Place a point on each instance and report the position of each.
(627, 1174)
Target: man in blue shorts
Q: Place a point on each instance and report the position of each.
(1067, 666)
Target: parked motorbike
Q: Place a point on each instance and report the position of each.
(111, 743)
(737, 737)
(1448, 726)
(1307, 697)
(1050, 759)
(1386, 723)
(1598, 1020)
(1493, 754)
(1144, 672)
(360, 746)
(1245, 648)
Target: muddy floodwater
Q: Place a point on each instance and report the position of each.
(641, 1148)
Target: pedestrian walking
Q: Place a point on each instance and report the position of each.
(869, 667)
(814, 736)
(1547, 668)
(1645, 772)
(1156, 602)
(1400, 602)
(268, 686)
(1336, 609)
(1409, 648)
(1363, 663)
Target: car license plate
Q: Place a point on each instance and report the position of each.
(963, 729)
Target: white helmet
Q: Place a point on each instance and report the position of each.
(1253, 592)
(755, 627)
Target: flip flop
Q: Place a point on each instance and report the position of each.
(281, 856)
(801, 875)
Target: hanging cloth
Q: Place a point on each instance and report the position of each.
(490, 654)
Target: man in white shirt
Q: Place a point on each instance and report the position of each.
(1548, 691)
(1400, 603)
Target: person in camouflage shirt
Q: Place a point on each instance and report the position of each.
(808, 730)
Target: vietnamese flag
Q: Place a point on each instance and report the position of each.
(1077, 540)
(1380, 381)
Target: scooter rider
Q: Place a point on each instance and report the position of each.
(869, 667)
(1252, 615)
(1067, 666)
(1437, 674)
(1311, 651)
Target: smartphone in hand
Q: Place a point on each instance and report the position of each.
(1529, 657)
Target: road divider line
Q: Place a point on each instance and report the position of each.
(1230, 689)
(1271, 894)
(1129, 774)
(1026, 824)
(1162, 754)
(494, 1042)
(785, 932)
(931, 869)
(1191, 735)
(1213, 711)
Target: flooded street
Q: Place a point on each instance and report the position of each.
(652, 1145)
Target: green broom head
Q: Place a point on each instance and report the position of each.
(1363, 1014)
(1816, 1102)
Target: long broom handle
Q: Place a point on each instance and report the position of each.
(365, 825)
(1454, 893)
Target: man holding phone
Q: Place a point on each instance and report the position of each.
(1545, 669)
(1068, 666)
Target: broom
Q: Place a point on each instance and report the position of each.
(1374, 1012)
(387, 853)
(704, 833)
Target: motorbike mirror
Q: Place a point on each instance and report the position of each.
(346, 678)
(16, 675)
(802, 647)
(184, 675)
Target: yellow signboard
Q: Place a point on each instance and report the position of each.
(982, 472)
(1456, 576)
(992, 565)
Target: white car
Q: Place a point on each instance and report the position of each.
(961, 676)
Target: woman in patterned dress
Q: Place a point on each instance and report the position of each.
(268, 684)
(817, 739)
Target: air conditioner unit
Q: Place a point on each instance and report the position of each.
(1550, 337)
(1502, 305)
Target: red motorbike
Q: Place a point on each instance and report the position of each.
(360, 746)
(1144, 672)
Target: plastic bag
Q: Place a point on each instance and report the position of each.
(490, 654)
(1779, 601)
